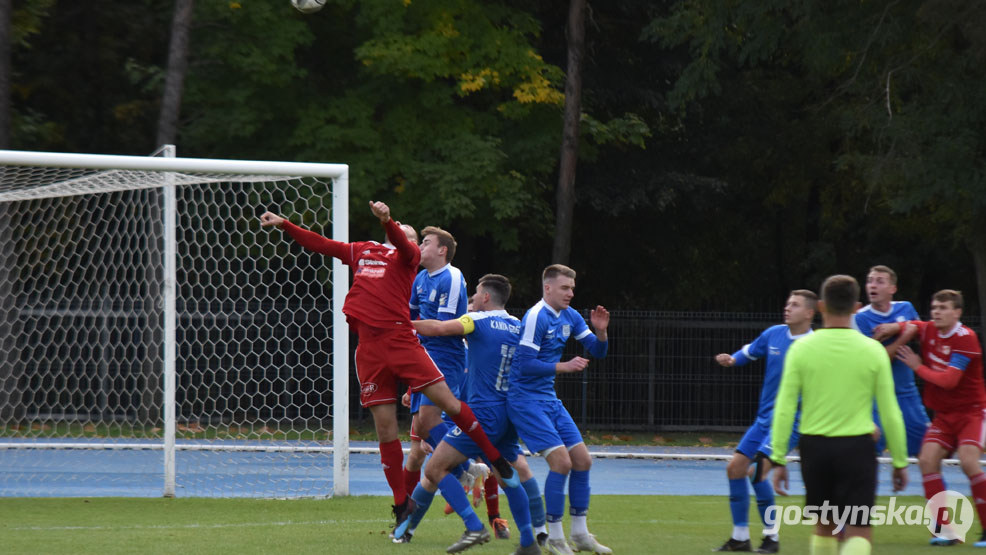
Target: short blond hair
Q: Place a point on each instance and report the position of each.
(556, 270)
(885, 270)
(811, 299)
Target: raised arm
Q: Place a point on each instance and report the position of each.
(408, 251)
(597, 344)
(309, 239)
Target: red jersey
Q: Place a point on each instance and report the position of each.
(957, 349)
(382, 275)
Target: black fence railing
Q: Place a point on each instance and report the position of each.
(661, 375)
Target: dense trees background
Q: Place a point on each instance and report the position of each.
(729, 150)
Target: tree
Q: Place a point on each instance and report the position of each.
(833, 70)
(167, 129)
(568, 160)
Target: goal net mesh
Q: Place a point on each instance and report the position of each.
(81, 335)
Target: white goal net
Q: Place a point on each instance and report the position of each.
(154, 340)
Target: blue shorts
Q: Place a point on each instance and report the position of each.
(543, 424)
(757, 439)
(498, 428)
(452, 367)
(916, 423)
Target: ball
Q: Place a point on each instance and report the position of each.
(308, 6)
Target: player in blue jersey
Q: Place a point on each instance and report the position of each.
(755, 449)
(439, 293)
(539, 416)
(493, 335)
(881, 285)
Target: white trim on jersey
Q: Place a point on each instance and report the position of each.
(440, 270)
(583, 334)
(489, 313)
(455, 289)
(746, 351)
(958, 326)
(793, 337)
(527, 339)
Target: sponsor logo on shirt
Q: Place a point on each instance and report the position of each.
(365, 262)
(566, 330)
(771, 350)
(368, 389)
(371, 272)
(443, 300)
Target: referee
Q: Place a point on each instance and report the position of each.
(837, 372)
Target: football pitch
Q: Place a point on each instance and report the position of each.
(644, 524)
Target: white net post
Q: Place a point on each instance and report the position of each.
(170, 316)
(340, 426)
(143, 310)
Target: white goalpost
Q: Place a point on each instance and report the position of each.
(143, 312)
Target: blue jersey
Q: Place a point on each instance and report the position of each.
(868, 318)
(773, 344)
(543, 336)
(493, 338)
(440, 295)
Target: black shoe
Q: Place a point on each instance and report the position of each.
(769, 545)
(506, 472)
(735, 545)
(402, 512)
(542, 539)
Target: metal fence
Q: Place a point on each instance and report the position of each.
(660, 373)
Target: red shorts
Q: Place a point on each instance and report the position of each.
(386, 356)
(954, 429)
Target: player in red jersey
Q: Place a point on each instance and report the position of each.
(376, 308)
(952, 369)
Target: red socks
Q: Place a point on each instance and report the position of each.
(411, 480)
(933, 484)
(466, 421)
(392, 459)
(492, 489)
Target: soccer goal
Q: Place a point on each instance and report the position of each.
(155, 340)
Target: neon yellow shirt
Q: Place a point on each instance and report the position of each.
(837, 372)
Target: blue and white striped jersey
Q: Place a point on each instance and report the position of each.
(440, 295)
(544, 334)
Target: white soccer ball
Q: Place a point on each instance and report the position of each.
(308, 6)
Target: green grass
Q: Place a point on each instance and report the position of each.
(628, 524)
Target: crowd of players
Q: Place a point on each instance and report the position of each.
(468, 403)
(857, 397)
(841, 397)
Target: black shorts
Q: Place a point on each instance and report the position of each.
(839, 472)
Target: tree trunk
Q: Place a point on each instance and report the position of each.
(565, 197)
(5, 71)
(174, 81)
(977, 246)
